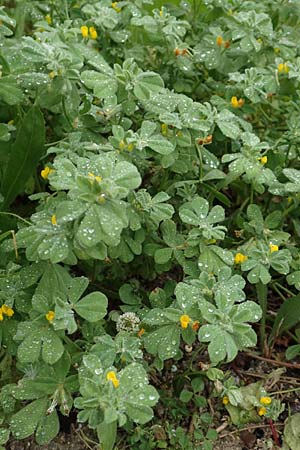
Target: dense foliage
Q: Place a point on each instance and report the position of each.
(150, 180)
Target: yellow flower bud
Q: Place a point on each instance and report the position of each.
(122, 144)
(53, 220)
(93, 33)
(50, 316)
(263, 160)
(225, 400)
(1, 315)
(130, 147)
(114, 5)
(48, 19)
(235, 103)
(52, 75)
(164, 129)
(111, 376)
(265, 401)
(240, 258)
(141, 332)
(46, 172)
(283, 67)
(9, 312)
(273, 248)
(219, 41)
(262, 411)
(84, 31)
(185, 320)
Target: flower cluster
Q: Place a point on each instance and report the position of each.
(6, 311)
(88, 32)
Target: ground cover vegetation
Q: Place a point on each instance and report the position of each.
(149, 216)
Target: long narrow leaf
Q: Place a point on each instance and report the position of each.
(25, 155)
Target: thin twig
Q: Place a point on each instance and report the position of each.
(251, 427)
(273, 361)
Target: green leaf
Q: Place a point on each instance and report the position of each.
(287, 316)
(10, 93)
(292, 432)
(147, 83)
(25, 155)
(103, 85)
(92, 307)
(185, 396)
(47, 429)
(29, 350)
(52, 348)
(25, 421)
(107, 433)
(163, 255)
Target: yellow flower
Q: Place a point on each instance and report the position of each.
(225, 400)
(259, 40)
(283, 67)
(46, 172)
(130, 147)
(263, 160)
(114, 5)
(240, 258)
(9, 312)
(235, 103)
(265, 401)
(48, 19)
(141, 332)
(184, 321)
(84, 31)
(50, 316)
(95, 177)
(51, 75)
(111, 376)
(161, 13)
(219, 41)
(196, 325)
(164, 129)
(262, 411)
(273, 248)
(53, 220)
(93, 33)
(1, 315)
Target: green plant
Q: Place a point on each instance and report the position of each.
(149, 212)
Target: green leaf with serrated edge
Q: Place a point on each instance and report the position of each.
(107, 434)
(25, 155)
(92, 307)
(25, 421)
(47, 428)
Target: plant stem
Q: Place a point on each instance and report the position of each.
(262, 291)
